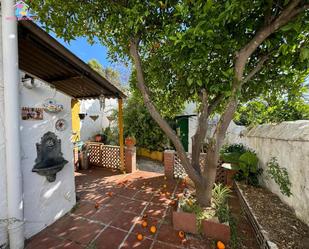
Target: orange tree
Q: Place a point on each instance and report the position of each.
(215, 52)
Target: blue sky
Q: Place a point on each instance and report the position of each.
(86, 51)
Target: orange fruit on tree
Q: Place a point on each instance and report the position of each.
(144, 223)
(139, 236)
(181, 234)
(153, 229)
(220, 245)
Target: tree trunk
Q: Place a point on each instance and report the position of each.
(193, 174)
(204, 193)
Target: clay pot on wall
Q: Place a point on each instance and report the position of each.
(98, 138)
(130, 141)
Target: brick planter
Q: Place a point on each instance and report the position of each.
(261, 235)
(217, 231)
(230, 173)
(185, 222)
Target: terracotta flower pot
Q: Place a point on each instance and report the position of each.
(185, 222)
(98, 138)
(217, 231)
(130, 141)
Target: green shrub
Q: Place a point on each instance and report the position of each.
(244, 160)
(280, 176)
(139, 124)
(233, 148)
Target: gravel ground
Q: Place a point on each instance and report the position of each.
(283, 227)
(146, 164)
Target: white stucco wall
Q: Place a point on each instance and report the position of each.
(193, 121)
(289, 143)
(3, 191)
(192, 128)
(90, 128)
(45, 202)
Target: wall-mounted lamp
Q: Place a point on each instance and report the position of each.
(28, 81)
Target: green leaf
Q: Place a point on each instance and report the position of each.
(304, 54)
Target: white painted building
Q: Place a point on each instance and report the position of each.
(190, 116)
(28, 201)
(96, 119)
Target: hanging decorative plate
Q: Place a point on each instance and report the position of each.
(52, 106)
(94, 117)
(61, 124)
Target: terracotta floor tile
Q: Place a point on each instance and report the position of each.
(110, 238)
(135, 206)
(106, 215)
(155, 210)
(127, 192)
(129, 200)
(117, 202)
(169, 235)
(132, 242)
(144, 195)
(138, 228)
(161, 199)
(124, 221)
(52, 243)
(82, 231)
(60, 227)
(85, 209)
(197, 244)
(159, 245)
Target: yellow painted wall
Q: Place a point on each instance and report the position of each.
(75, 108)
(155, 155)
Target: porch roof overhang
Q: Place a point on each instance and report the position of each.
(44, 57)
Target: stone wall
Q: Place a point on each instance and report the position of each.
(289, 143)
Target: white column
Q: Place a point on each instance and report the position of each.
(11, 116)
(3, 192)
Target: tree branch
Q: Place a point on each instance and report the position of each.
(286, 15)
(224, 122)
(268, 16)
(200, 133)
(215, 102)
(212, 156)
(256, 69)
(156, 115)
(300, 9)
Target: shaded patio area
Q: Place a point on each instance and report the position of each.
(110, 210)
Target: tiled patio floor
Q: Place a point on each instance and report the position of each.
(110, 211)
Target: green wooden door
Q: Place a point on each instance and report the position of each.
(183, 131)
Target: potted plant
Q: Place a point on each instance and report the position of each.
(130, 141)
(98, 138)
(211, 221)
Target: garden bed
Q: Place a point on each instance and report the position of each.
(272, 220)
